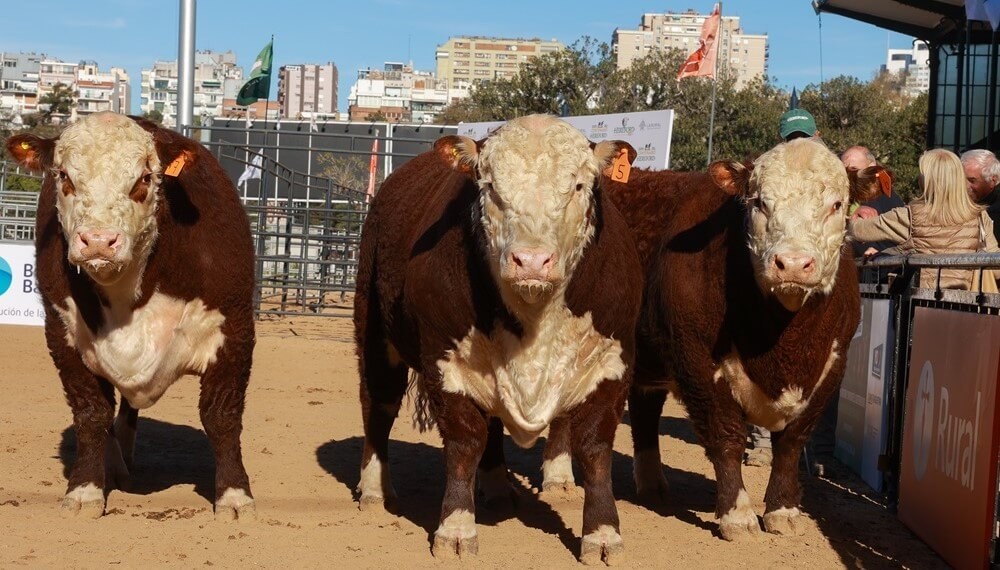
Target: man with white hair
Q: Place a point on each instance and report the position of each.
(982, 172)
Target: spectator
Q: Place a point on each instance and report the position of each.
(796, 124)
(860, 158)
(943, 220)
(982, 172)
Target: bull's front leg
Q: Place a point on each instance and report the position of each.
(464, 432)
(781, 511)
(593, 435)
(557, 460)
(92, 401)
(221, 403)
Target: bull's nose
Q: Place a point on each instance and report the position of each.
(534, 262)
(795, 267)
(94, 243)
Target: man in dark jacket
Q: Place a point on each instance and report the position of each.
(982, 173)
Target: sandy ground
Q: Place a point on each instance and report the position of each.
(302, 445)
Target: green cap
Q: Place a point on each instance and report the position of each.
(797, 121)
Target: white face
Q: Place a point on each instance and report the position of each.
(797, 209)
(107, 173)
(536, 177)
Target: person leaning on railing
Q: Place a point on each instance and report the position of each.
(944, 219)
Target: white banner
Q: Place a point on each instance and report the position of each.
(880, 345)
(20, 303)
(649, 132)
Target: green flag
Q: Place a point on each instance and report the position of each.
(259, 84)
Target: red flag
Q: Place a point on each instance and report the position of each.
(701, 63)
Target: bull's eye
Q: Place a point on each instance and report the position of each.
(760, 206)
(147, 178)
(579, 186)
(66, 183)
(837, 206)
(63, 175)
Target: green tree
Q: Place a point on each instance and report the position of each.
(154, 115)
(377, 117)
(57, 103)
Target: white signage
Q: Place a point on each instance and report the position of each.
(649, 132)
(20, 303)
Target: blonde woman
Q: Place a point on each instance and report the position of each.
(942, 220)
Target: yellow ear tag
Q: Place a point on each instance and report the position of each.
(25, 146)
(176, 166)
(620, 168)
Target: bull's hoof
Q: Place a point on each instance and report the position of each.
(371, 503)
(86, 501)
(452, 548)
(235, 504)
(603, 545)
(786, 522)
(456, 537)
(740, 523)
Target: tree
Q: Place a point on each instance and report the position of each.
(377, 117)
(349, 171)
(154, 115)
(57, 103)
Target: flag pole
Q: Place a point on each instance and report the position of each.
(715, 81)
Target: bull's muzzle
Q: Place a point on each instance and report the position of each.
(531, 272)
(94, 245)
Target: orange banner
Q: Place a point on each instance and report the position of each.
(948, 476)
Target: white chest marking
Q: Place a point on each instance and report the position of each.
(761, 410)
(143, 352)
(528, 381)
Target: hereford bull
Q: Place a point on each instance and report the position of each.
(501, 275)
(145, 268)
(749, 311)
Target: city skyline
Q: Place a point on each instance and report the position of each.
(359, 35)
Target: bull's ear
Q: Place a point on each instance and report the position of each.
(32, 152)
(732, 177)
(606, 151)
(866, 184)
(460, 153)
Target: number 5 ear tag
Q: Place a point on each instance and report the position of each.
(620, 168)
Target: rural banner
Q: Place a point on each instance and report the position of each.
(19, 300)
(947, 487)
(648, 132)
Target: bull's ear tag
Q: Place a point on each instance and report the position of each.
(25, 146)
(620, 168)
(177, 165)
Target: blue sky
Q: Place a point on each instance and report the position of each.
(362, 33)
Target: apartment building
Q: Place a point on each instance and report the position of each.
(307, 90)
(914, 64)
(400, 94)
(18, 84)
(98, 91)
(462, 61)
(741, 54)
(216, 78)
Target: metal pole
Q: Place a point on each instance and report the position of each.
(715, 81)
(185, 66)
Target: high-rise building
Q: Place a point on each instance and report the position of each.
(462, 61)
(18, 84)
(216, 77)
(400, 94)
(98, 91)
(914, 65)
(306, 90)
(741, 54)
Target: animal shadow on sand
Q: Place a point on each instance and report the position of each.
(418, 476)
(166, 455)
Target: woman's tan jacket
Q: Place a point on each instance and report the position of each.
(911, 227)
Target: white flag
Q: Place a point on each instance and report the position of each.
(253, 169)
(249, 122)
(975, 10)
(312, 122)
(992, 8)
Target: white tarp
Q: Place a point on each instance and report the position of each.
(20, 303)
(649, 132)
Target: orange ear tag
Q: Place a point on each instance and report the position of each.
(176, 166)
(620, 168)
(25, 146)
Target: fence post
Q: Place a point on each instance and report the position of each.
(902, 290)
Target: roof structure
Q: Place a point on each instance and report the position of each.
(937, 21)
